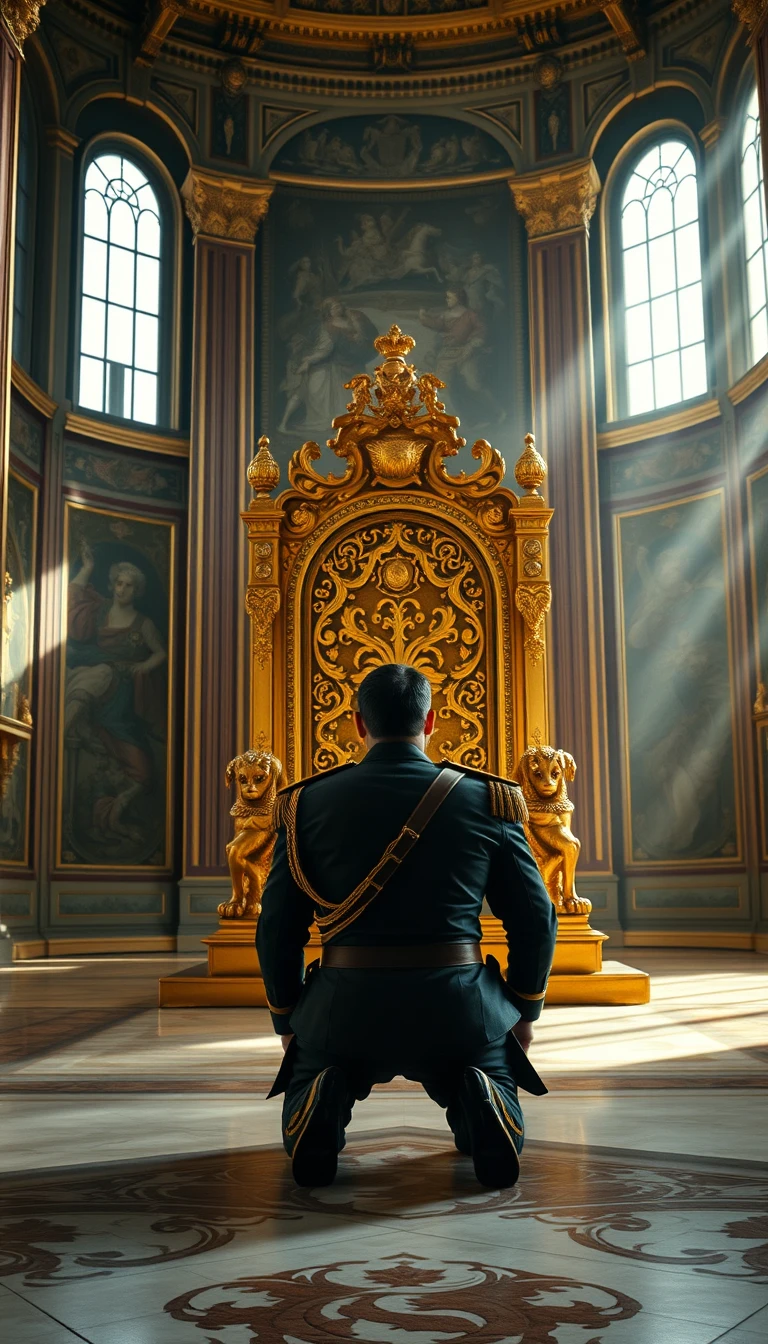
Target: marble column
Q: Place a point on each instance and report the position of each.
(225, 213)
(557, 205)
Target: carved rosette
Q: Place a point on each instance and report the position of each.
(22, 18)
(533, 601)
(262, 605)
(556, 200)
(220, 206)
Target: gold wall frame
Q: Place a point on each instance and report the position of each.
(397, 559)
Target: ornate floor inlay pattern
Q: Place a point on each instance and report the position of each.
(405, 1248)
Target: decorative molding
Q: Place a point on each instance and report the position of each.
(711, 133)
(662, 424)
(749, 383)
(29, 390)
(509, 116)
(273, 120)
(62, 140)
(22, 18)
(557, 199)
(262, 605)
(158, 22)
(533, 601)
(628, 26)
(221, 206)
(125, 436)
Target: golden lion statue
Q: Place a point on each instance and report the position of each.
(258, 775)
(542, 773)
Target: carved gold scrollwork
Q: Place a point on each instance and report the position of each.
(22, 17)
(262, 605)
(533, 601)
(408, 593)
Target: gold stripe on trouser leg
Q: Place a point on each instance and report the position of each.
(305, 1109)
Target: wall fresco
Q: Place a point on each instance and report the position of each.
(644, 468)
(678, 715)
(114, 712)
(124, 476)
(26, 437)
(391, 146)
(338, 270)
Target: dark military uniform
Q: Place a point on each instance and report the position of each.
(426, 1023)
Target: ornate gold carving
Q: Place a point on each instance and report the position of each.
(761, 700)
(225, 207)
(395, 432)
(158, 22)
(263, 472)
(558, 199)
(542, 773)
(750, 12)
(400, 592)
(22, 18)
(258, 776)
(533, 602)
(262, 605)
(530, 468)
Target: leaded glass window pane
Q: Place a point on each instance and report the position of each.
(661, 262)
(755, 231)
(122, 257)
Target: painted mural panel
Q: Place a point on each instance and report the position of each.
(26, 437)
(338, 270)
(124, 476)
(391, 147)
(17, 659)
(644, 469)
(678, 713)
(118, 645)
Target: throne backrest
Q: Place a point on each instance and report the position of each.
(396, 560)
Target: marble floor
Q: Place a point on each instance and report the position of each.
(145, 1197)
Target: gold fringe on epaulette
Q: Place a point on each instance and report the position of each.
(507, 801)
(281, 806)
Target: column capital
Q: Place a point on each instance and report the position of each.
(710, 134)
(750, 12)
(555, 199)
(59, 138)
(22, 18)
(222, 206)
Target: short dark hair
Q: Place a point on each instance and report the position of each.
(394, 700)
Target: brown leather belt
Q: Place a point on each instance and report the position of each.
(401, 958)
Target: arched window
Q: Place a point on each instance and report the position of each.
(664, 351)
(755, 231)
(24, 243)
(121, 290)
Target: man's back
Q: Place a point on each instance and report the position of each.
(402, 986)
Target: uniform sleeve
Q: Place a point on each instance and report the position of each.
(282, 933)
(517, 896)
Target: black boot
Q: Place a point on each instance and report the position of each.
(316, 1131)
(495, 1138)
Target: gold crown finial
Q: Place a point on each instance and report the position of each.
(263, 472)
(395, 345)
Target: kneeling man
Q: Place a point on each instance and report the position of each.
(392, 859)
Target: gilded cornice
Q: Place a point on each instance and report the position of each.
(22, 18)
(557, 199)
(222, 206)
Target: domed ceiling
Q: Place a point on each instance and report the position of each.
(439, 44)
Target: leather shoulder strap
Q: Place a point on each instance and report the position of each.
(347, 911)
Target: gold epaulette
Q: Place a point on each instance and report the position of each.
(284, 796)
(505, 796)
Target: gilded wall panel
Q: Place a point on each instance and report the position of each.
(676, 681)
(340, 268)
(117, 656)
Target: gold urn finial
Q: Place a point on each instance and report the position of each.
(263, 472)
(395, 345)
(530, 468)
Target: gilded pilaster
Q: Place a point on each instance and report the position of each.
(225, 213)
(557, 206)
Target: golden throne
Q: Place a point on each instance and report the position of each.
(396, 559)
